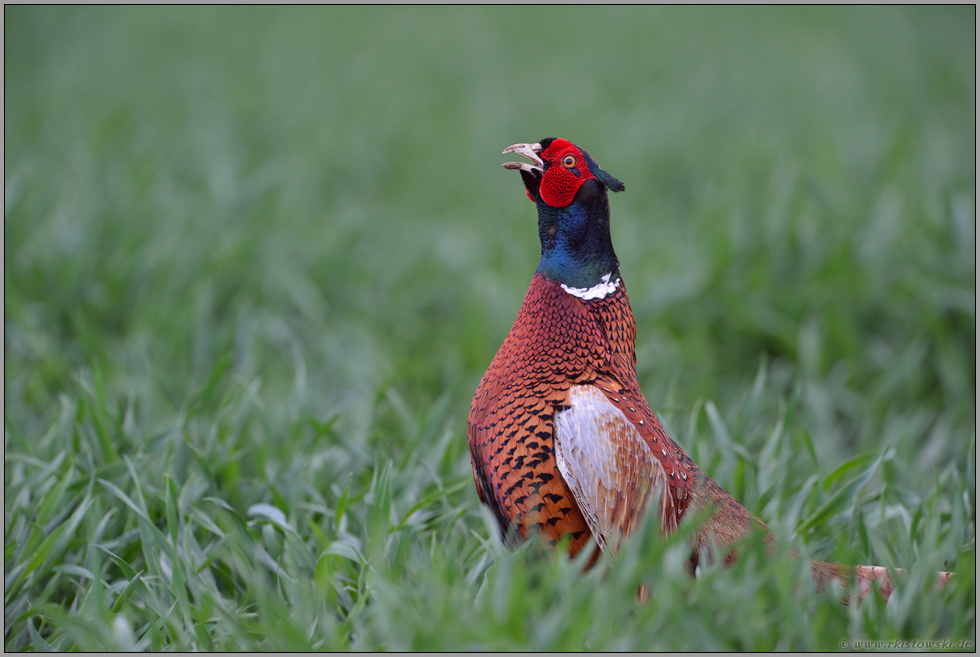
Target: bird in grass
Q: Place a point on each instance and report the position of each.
(562, 440)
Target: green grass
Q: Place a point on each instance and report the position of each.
(256, 261)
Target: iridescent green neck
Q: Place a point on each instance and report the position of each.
(576, 248)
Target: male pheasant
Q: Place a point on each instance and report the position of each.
(562, 441)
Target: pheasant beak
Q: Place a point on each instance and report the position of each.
(530, 151)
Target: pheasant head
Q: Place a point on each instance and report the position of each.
(570, 191)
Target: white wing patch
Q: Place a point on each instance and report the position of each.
(609, 467)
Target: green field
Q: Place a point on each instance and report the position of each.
(257, 260)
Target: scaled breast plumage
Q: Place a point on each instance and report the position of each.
(559, 342)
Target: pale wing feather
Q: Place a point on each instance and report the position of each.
(610, 469)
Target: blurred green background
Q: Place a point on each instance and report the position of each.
(272, 250)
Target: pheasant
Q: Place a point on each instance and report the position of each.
(562, 441)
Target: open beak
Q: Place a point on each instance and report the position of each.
(530, 151)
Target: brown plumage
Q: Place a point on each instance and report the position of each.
(558, 341)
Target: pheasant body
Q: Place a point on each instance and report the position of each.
(562, 440)
(559, 342)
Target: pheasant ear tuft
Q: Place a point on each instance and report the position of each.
(609, 181)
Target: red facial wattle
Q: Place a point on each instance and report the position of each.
(557, 171)
(566, 173)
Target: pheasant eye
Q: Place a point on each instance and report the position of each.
(568, 162)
